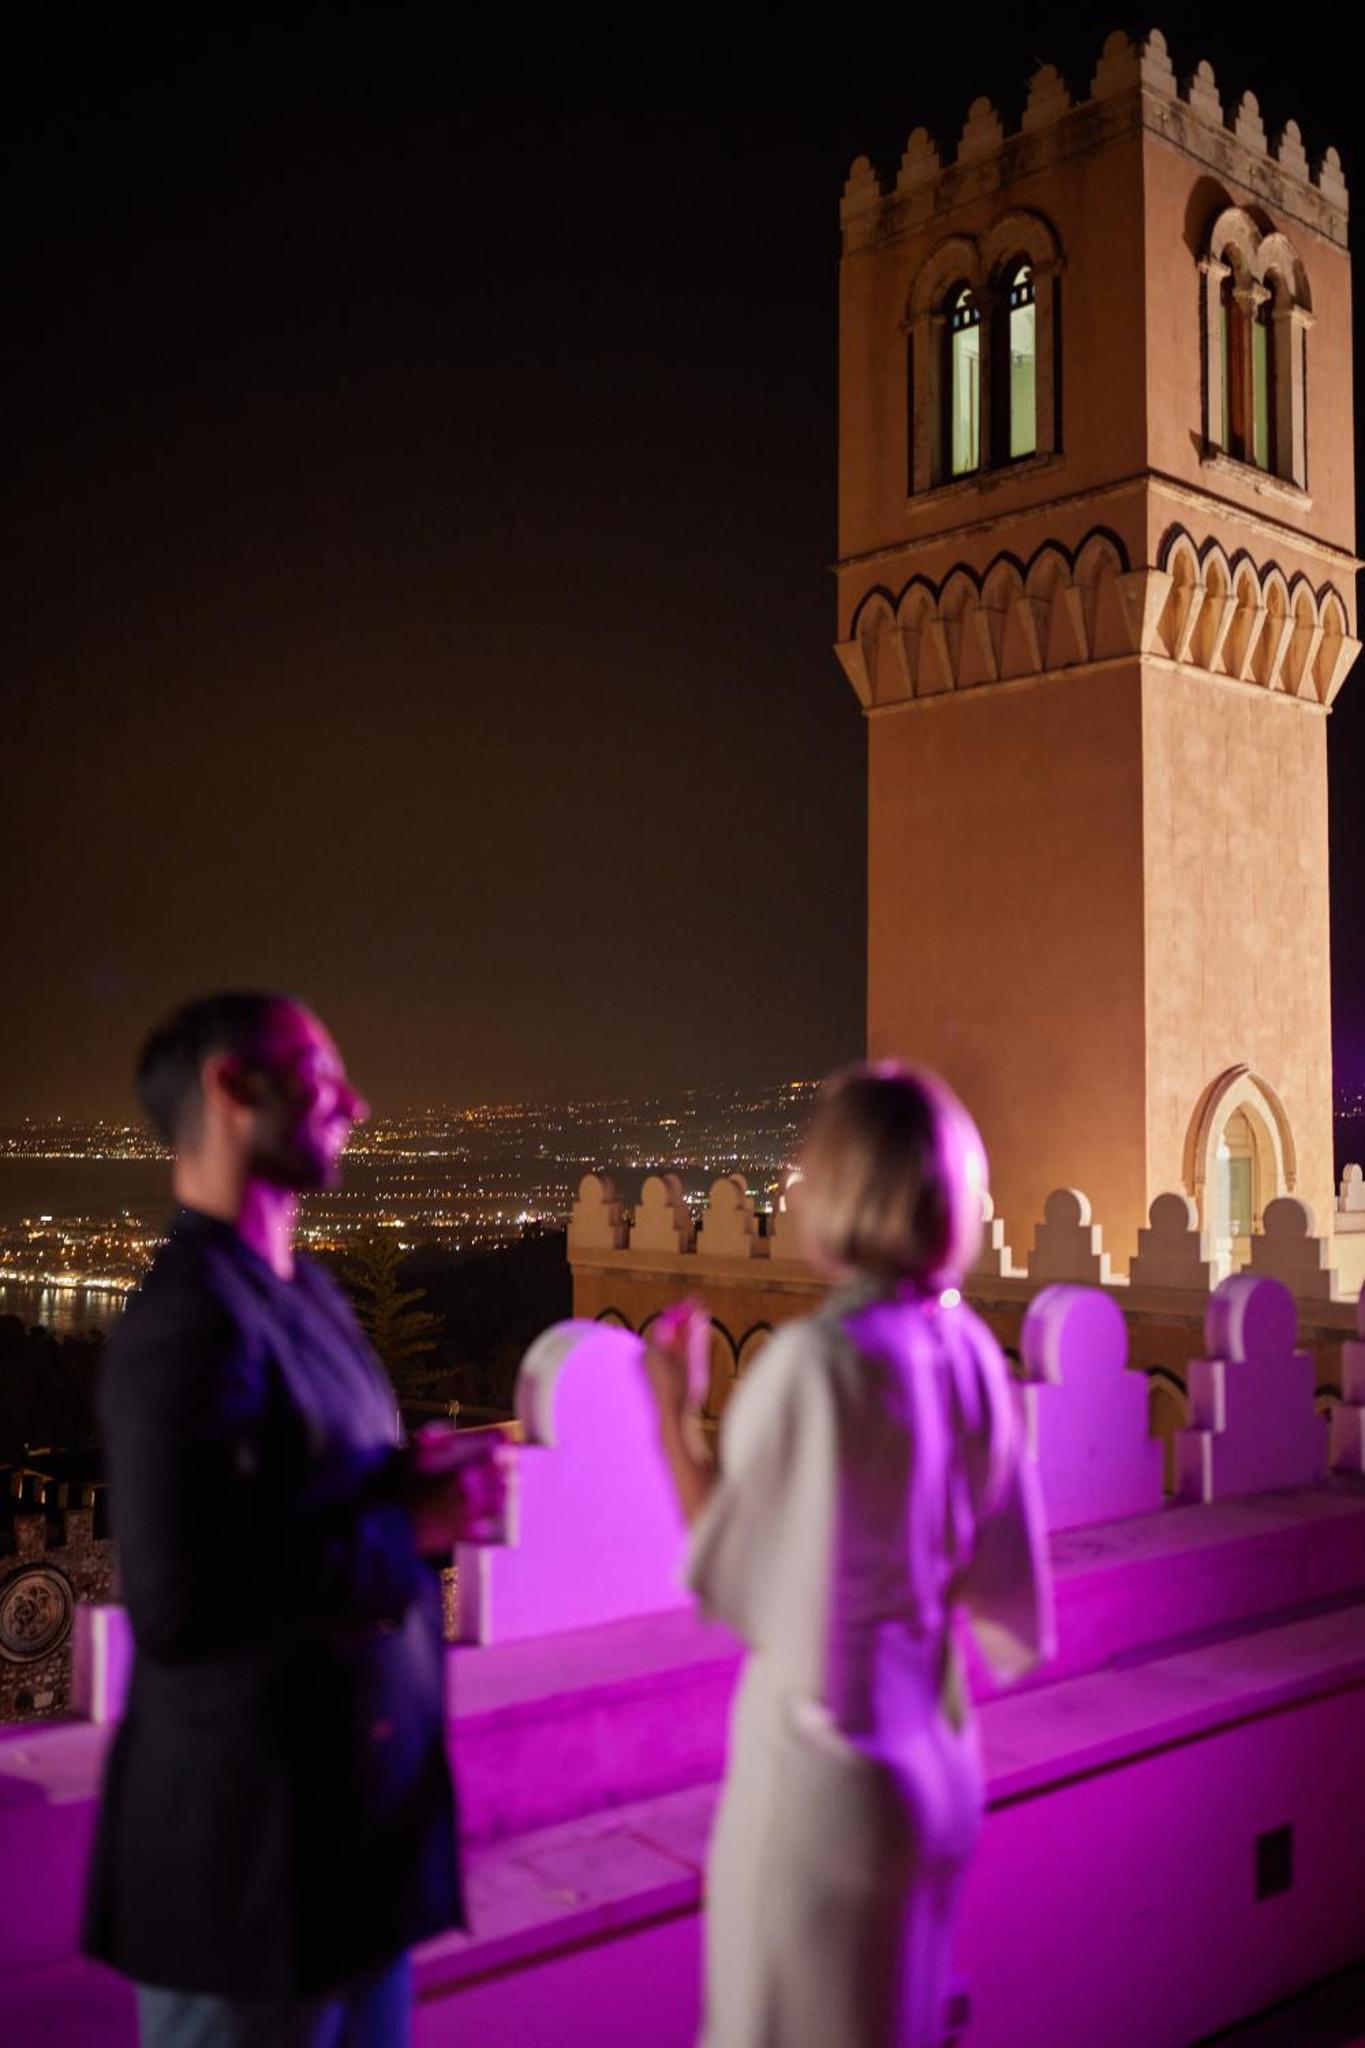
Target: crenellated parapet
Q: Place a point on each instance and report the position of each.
(729, 1228)
(54, 1554)
(751, 1272)
(1068, 1244)
(1175, 1253)
(995, 1260)
(1253, 1425)
(662, 1220)
(1348, 1414)
(1288, 1249)
(1134, 86)
(598, 1218)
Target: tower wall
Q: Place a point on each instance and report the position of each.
(1005, 929)
(1097, 677)
(1235, 892)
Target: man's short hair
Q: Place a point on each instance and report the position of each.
(174, 1051)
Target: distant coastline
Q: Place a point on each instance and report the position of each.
(83, 1206)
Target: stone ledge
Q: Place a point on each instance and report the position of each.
(545, 1894)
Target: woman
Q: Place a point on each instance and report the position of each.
(872, 1480)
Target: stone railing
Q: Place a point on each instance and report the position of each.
(750, 1271)
(1174, 1254)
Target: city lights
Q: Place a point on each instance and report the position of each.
(463, 1179)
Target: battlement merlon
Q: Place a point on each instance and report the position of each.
(1134, 86)
(37, 1532)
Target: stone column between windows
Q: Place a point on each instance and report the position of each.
(989, 301)
(1290, 325)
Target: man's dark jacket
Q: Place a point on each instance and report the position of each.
(277, 1815)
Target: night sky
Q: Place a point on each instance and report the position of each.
(420, 468)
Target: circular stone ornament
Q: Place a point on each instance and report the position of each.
(37, 1608)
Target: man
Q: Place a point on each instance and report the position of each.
(277, 1824)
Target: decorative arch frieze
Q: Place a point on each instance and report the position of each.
(750, 1344)
(1227, 616)
(1250, 622)
(723, 1369)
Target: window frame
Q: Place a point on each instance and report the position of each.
(1002, 397)
(1018, 237)
(1256, 315)
(961, 295)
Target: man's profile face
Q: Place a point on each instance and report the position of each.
(306, 1103)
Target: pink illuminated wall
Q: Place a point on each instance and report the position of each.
(600, 1535)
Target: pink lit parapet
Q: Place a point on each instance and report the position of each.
(600, 1531)
(1207, 1695)
(1087, 1413)
(1209, 1688)
(1253, 1425)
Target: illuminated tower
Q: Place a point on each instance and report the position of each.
(1096, 594)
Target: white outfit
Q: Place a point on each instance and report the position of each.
(872, 1479)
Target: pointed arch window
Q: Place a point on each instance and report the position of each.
(963, 383)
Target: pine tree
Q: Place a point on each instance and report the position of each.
(400, 1331)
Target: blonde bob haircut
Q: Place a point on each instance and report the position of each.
(893, 1174)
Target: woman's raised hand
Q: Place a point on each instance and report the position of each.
(677, 1358)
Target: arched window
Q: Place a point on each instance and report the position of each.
(1021, 363)
(983, 355)
(963, 384)
(1262, 388)
(1247, 345)
(1236, 435)
(1258, 310)
(1239, 1154)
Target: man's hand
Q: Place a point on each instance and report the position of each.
(459, 1488)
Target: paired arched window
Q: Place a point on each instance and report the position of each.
(1248, 367)
(1257, 316)
(982, 355)
(989, 387)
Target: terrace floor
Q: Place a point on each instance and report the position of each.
(1330, 2015)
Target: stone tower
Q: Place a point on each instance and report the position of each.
(1096, 595)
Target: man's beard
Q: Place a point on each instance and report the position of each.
(287, 1157)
